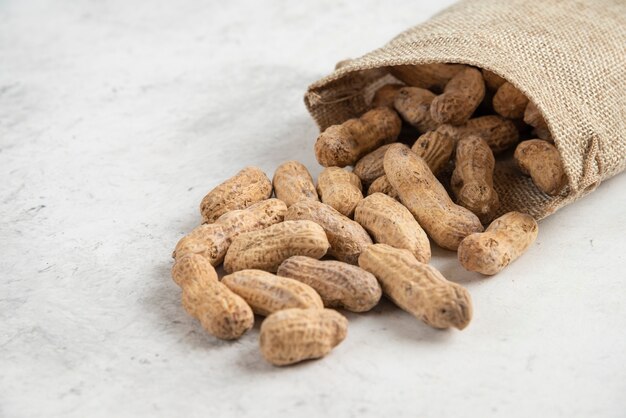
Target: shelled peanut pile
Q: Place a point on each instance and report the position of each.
(312, 248)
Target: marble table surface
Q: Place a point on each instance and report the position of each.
(116, 117)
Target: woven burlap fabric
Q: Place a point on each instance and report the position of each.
(568, 56)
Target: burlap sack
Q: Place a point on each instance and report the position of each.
(568, 56)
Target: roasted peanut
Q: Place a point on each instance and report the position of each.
(370, 167)
(428, 76)
(385, 96)
(435, 148)
(382, 185)
(460, 98)
(502, 243)
(208, 240)
(509, 101)
(267, 248)
(347, 238)
(420, 191)
(342, 145)
(413, 105)
(534, 118)
(389, 222)
(267, 293)
(418, 288)
(472, 179)
(245, 188)
(492, 80)
(542, 161)
(339, 189)
(212, 240)
(292, 183)
(499, 133)
(338, 283)
(293, 335)
(221, 312)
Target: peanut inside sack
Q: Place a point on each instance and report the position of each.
(555, 71)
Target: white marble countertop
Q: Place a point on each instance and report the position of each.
(116, 117)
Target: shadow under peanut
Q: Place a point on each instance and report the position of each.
(448, 264)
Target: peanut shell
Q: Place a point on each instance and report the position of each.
(433, 76)
(507, 238)
(245, 188)
(418, 288)
(435, 148)
(342, 145)
(212, 240)
(338, 283)
(499, 133)
(267, 248)
(347, 238)
(420, 191)
(509, 101)
(413, 105)
(293, 182)
(267, 293)
(492, 80)
(339, 189)
(382, 185)
(460, 98)
(221, 313)
(472, 179)
(370, 167)
(385, 96)
(389, 222)
(293, 335)
(542, 162)
(534, 118)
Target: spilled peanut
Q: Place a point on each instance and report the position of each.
(247, 187)
(267, 248)
(418, 288)
(382, 185)
(220, 312)
(389, 222)
(346, 237)
(502, 242)
(292, 183)
(339, 189)
(293, 335)
(212, 240)
(339, 284)
(267, 293)
(420, 191)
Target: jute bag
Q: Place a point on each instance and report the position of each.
(568, 56)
